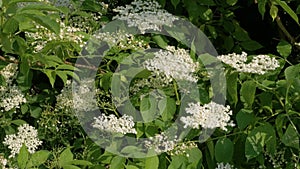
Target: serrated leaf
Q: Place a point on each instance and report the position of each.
(23, 157)
(273, 11)
(63, 75)
(224, 150)
(284, 48)
(290, 137)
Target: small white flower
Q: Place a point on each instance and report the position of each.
(161, 143)
(9, 72)
(211, 115)
(112, 124)
(11, 97)
(174, 63)
(224, 166)
(145, 15)
(27, 135)
(260, 64)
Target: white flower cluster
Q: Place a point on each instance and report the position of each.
(161, 143)
(181, 148)
(3, 162)
(211, 115)
(145, 15)
(82, 98)
(121, 39)
(224, 166)
(11, 98)
(112, 124)
(9, 72)
(67, 33)
(260, 64)
(174, 63)
(27, 135)
(64, 99)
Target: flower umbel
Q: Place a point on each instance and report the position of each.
(145, 15)
(112, 124)
(211, 115)
(174, 63)
(27, 135)
(260, 64)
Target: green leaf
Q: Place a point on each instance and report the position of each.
(228, 43)
(251, 45)
(195, 155)
(290, 137)
(291, 73)
(66, 157)
(284, 48)
(231, 2)
(148, 108)
(35, 111)
(167, 108)
(231, 80)
(288, 10)
(259, 137)
(18, 122)
(212, 31)
(152, 162)
(240, 34)
(63, 75)
(46, 21)
(118, 162)
(16, 1)
(38, 7)
(248, 92)
(11, 25)
(51, 74)
(68, 166)
(160, 41)
(81, 162)
(23, 157)
(224, 150)
(244, 118)
(38, 158)
(273, 11)
(131, 167)
(262, 7)
(175, 3)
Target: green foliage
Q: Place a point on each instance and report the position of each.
(265, 107)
